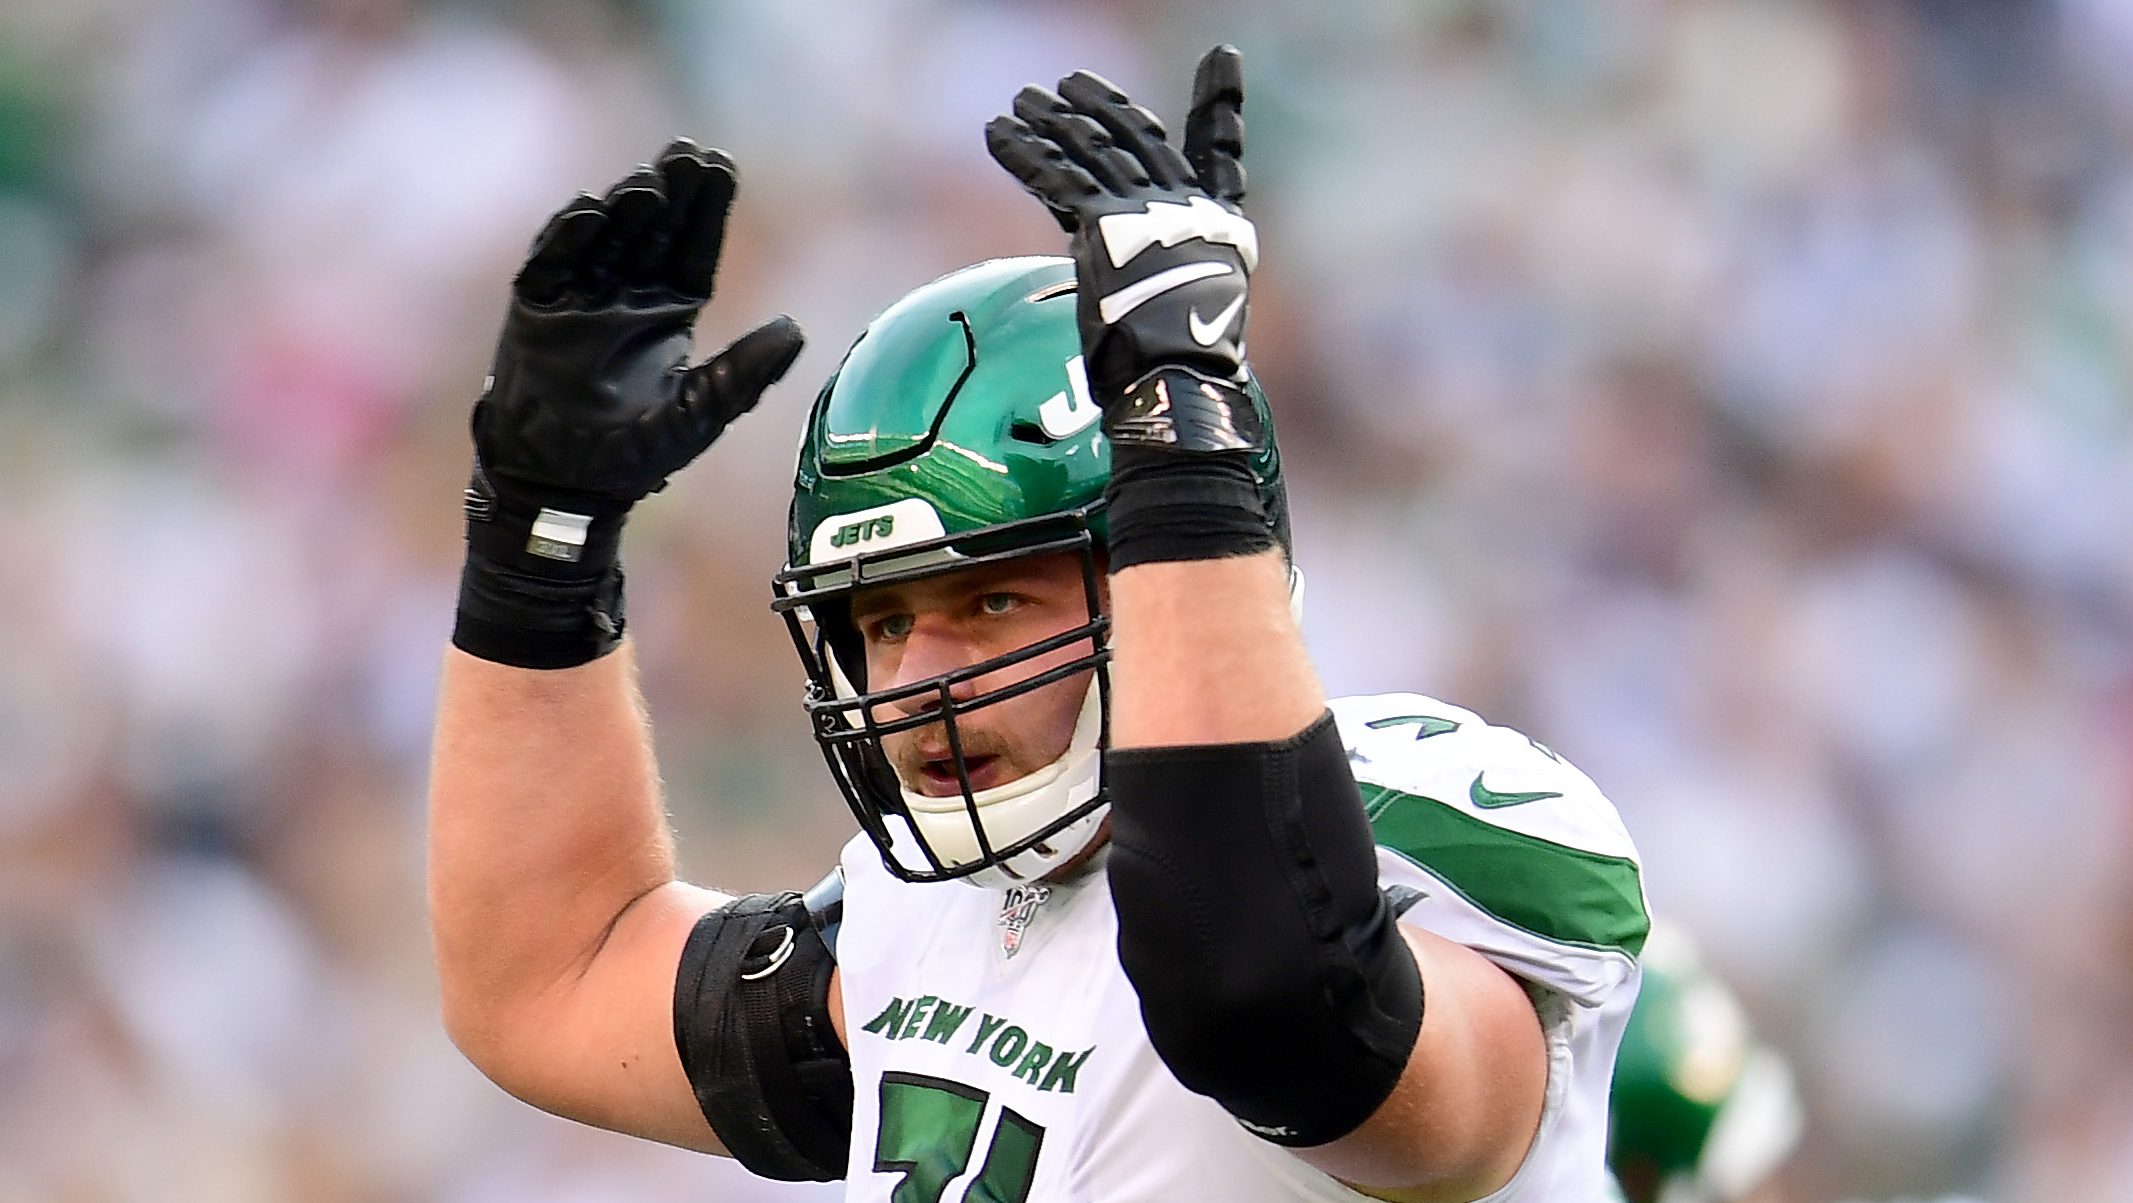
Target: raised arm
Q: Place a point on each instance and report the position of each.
(556, 917)
(557, 922)
(1271, 974)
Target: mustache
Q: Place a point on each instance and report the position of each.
(905, 750)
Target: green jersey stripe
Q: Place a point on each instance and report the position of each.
(1559, 893)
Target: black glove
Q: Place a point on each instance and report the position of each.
(591, 404)
(1163, 258)
(1161, 251)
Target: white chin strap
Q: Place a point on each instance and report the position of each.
(1020, 808)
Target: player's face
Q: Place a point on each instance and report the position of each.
(920, 629)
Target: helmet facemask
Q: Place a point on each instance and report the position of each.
(1012, 832)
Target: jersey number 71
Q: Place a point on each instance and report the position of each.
(929, 1128)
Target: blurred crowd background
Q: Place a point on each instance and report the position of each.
(1733, 394)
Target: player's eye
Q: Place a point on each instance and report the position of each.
(998, 603)
(888, 628)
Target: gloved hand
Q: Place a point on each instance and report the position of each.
(1163, 258)
(1162, 252)
(591, 405)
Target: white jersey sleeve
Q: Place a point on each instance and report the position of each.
(1526, 861)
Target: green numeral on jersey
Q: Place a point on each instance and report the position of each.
(929, 1127)
(1011, 1162)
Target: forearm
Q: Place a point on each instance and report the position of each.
(545, 826)
(1207, 652)
(558, 925)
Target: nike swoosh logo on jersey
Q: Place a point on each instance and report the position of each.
(1168, 223)
(1144, 290)
(1489, 799)
(1206, 333)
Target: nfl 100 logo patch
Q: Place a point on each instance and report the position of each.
(1017, 908)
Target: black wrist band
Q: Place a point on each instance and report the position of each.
(1181, 484)
(529, 621)
(542, 587)
(1169, 505)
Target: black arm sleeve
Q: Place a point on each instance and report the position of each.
(752, 1025)
(1271, 972)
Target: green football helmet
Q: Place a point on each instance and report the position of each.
(959, 431)
(1701, 1111)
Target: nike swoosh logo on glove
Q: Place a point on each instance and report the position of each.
(1206, 333)
(1142, 291)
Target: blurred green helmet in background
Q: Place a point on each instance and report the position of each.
(959, 431)
(1702, 1112)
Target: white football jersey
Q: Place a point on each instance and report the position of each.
(997, 1048)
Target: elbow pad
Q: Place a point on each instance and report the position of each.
(1271, 972)
(752, 1025)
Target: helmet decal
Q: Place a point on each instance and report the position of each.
(1071, 410)
(877, 528)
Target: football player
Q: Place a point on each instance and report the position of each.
(1702, 1111)
(1134, 912)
